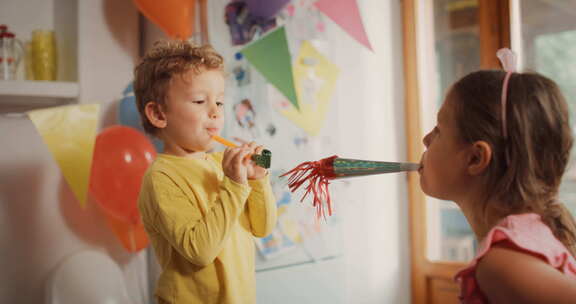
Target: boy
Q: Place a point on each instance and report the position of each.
(199, 209)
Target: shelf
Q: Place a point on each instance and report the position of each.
(24, 17)
(19, 96)
(44, 89)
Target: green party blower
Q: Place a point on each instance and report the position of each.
(263, 160)
(318, 174)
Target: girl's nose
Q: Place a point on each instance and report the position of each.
(426, 140)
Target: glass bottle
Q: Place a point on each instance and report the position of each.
(11, 54)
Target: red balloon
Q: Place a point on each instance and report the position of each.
(121, 157)
(132, 237)
(174, 17)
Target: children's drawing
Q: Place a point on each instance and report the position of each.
(304, 20)
(245, 115)
(297, 233)
(241, 70)
(271, 130)
(244, 25)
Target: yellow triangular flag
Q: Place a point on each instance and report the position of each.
(70, 133)
(315, 77)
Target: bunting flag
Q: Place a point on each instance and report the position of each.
(271, 57)
(346, 14)
(70, 133)
(315, 78)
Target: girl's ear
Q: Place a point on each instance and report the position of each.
(155, 115)
(480, 157)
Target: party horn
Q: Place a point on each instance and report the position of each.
(263, 160)
(318, 174)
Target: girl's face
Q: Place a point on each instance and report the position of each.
(442, 174)
(195, 111)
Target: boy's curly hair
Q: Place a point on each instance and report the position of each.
(166, 59)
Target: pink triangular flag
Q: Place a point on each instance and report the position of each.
(346, 14)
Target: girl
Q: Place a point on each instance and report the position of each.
(499, 150)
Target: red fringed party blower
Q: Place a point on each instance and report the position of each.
(318, 174)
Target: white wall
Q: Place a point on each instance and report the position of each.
(40, 221)
(368, 113)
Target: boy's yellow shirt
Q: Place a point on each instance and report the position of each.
(201, 225)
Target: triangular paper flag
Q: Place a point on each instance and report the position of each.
(315, 78)
(346, 14)
(70, 133)
(271, 57)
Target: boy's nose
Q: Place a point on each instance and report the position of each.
(216, 114)
(214, 111)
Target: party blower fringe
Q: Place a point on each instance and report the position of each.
(317, 175)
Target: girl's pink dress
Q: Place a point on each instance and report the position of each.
(526, 233)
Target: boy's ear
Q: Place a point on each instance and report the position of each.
(480, 157)
(155, 114)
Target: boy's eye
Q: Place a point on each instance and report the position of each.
(198, 101)
(220, 104)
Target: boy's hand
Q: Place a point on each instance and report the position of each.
(236, 162)
(255, 171)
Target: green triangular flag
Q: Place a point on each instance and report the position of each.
(271, 57)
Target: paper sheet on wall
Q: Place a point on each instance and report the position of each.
(267, 8)
(298, 238)
(315, 78)
(304, 21)
(70, 133)
(254, 105)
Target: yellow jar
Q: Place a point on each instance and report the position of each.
(44, 55)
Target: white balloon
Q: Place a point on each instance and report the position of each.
(89, 277)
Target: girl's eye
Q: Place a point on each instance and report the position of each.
(198, 101)
(220, 104)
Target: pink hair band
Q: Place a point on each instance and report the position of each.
(508, 60)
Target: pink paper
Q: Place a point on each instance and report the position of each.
(346, 14)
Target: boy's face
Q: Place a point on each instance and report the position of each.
(194, 112)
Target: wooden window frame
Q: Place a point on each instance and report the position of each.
(494, 25)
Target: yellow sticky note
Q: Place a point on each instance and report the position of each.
(70, 133)
(315, 79)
